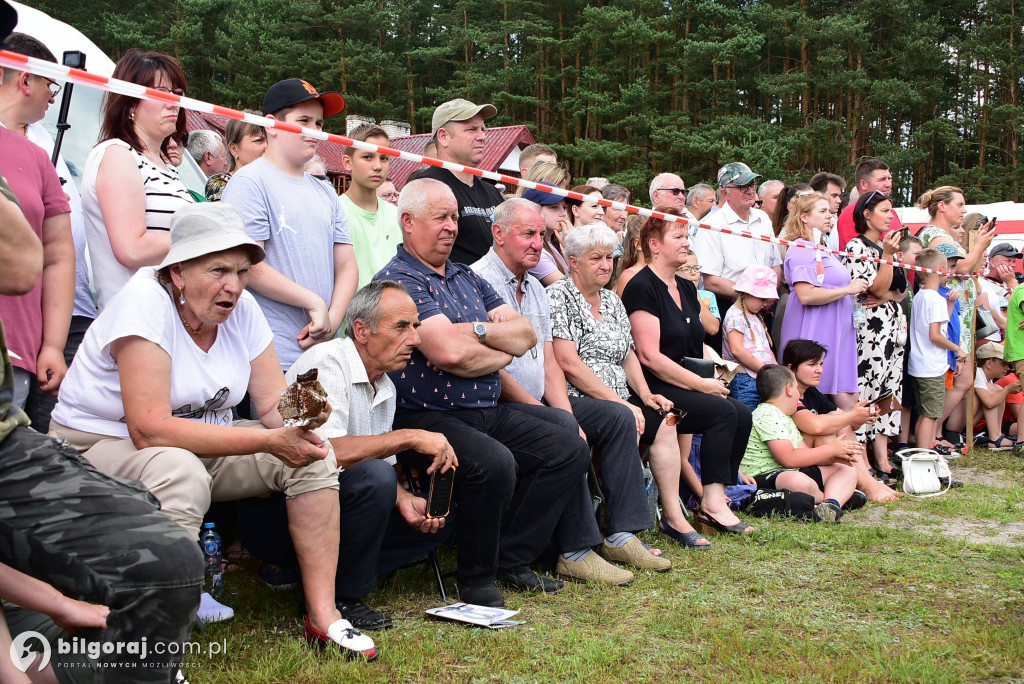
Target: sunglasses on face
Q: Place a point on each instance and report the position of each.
(674, 417)
(759, 203)
(674, 191)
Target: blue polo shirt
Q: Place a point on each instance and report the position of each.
(461, 296)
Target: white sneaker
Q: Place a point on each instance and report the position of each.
(212, 611)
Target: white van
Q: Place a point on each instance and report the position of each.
(84, 114)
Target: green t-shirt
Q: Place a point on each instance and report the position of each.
(1013, 345)
(375, 236)
(10, 416)
(769, 423)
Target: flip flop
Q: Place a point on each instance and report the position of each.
(948, 450)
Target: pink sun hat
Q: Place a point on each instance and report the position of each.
(758, 281)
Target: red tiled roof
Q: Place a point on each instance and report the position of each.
(500, 142)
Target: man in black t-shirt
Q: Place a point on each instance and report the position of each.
(459, 131)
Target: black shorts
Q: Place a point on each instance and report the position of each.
(767, 480)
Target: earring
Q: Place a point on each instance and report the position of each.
(181, 295)
(131, 115)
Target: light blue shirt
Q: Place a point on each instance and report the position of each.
(528, 369)
(299, 220)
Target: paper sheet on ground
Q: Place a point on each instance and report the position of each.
(493, 618)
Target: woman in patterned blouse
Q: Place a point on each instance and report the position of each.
(594, 346)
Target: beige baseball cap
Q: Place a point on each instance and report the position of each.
(992, 350)
(459, 110)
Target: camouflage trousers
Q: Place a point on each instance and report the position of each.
(105, 541)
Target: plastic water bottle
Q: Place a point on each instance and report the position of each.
(213, 580)
(859, 317)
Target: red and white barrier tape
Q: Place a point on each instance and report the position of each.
(60, 72)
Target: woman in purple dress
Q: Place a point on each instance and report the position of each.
(822, 308)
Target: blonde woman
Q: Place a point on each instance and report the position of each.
(947, 209)
(822, 308)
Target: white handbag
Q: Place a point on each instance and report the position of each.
(922, 469)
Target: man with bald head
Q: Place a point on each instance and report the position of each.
(668, 191)
(513, 470)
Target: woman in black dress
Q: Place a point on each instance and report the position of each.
(666, 317)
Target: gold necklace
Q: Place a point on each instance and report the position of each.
(195, 332)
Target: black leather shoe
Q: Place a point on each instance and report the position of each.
(362, 617)
(525, 579)
(482, 595)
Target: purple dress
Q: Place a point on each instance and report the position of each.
(830, 325)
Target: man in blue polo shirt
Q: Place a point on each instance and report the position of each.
(451, 385)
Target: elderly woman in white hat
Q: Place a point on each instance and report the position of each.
(150, 394)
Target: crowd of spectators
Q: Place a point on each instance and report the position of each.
(522, 341)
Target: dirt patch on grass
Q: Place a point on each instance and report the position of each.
(985, 531)
(1000, 479)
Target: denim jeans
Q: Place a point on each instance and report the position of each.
(743, 388)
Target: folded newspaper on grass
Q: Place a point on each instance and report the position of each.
(492, 618)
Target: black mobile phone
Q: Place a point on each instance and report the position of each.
(904, 233)
(439, 500)
(994, 221)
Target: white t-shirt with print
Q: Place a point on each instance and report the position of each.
(204, 385)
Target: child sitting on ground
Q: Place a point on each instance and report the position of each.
(745, 336)
(992, 397)
(928, 346)
(777, 457)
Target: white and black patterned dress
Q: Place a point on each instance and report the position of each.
(880, 341)
(602, 345)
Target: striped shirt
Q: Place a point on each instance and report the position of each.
(165, 194)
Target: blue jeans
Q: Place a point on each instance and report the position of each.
(744, 389)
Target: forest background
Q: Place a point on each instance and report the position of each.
(627, 88)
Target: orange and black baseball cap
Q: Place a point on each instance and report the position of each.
(293, 91)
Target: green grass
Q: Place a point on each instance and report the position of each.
(891, 594)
